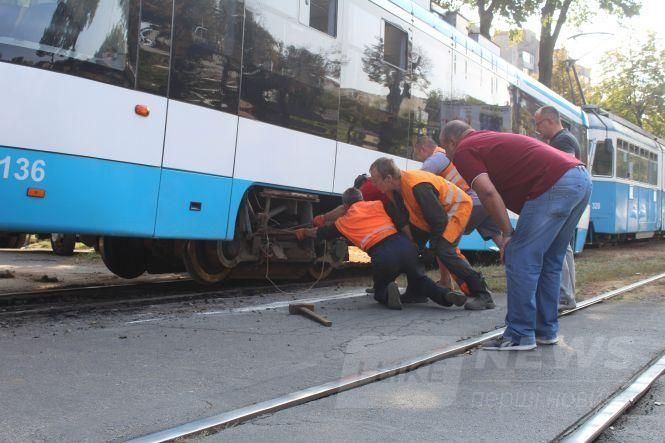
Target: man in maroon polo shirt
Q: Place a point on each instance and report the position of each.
(549, 190)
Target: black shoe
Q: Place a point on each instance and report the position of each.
(481, 301)
(413, 298)
(393, 301)
(369, 290)
(456, 298)
(446, 297)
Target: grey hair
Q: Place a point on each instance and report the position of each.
(549, 112)
(425, 141)
(454, 130)
(384, 167)
(351, 196)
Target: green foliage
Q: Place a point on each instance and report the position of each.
(634, 86)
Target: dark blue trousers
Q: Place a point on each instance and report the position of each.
(397, 255)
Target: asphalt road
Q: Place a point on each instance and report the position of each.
(116, 375)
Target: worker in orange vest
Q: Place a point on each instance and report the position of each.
(438, 212)
(368, 226)
(436, 161)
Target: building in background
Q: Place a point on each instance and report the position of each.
(520, 50)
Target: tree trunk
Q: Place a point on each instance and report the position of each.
(486, 17)
(549, 36)
(545, 62)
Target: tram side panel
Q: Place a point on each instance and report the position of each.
(201, 132)
(92, 164)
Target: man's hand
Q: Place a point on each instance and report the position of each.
(502, 249)
(319, 221)
(301, 234)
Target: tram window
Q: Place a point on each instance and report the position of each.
(323, 16)
(623, 170)
(207, 50)
(602, 160)
(395, 46)
(291, 73)
(580, 134)
(81, 38)
(154, 46)
(653, 172)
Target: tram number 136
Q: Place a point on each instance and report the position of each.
(22, 169)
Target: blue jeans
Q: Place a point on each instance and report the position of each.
(534, 256)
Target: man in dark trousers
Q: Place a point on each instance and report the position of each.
(438, 213)
(549, 190)
(368, 226)
(548, 124)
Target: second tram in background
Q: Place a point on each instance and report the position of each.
(628, 198)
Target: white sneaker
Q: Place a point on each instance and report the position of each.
(547, 341)
(506, 344)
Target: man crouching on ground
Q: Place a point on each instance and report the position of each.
(368, 226)
(438, 212)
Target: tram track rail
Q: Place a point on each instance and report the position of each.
(593, 424)
(238, 416)
(131, 295)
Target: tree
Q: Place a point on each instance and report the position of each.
(563, 79)
(634, 86)
(515, 11)
(555, 13)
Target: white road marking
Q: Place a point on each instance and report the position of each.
(282, 304)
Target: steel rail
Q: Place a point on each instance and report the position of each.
(54, 301)
(591, 426)
(237, 416)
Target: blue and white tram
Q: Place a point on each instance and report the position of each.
(627, 170)
(199, 131)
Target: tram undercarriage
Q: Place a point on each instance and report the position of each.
(263, 245)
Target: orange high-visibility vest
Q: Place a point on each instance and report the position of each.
(451, 174)
(365, 224)
(455, 202)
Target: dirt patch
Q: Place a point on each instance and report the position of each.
(36, 270)
(598, 270)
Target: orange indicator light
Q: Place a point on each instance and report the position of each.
(37, 193)
(142, 110)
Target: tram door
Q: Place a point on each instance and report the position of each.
(200, 137)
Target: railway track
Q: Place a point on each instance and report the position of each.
(602, 418)
(88, 298)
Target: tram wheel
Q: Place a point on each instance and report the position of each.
(13, 241)
(125, 257)
(63, 244)
(319, 270)
(202, 262)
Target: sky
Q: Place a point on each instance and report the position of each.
(589, 49)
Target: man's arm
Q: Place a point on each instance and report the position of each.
(434, 213)
(329, 216)
(492, 202)
(397, 211)
(327, 232)
(436, 163)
